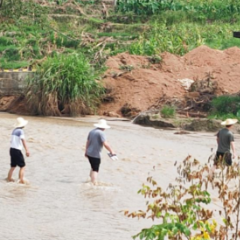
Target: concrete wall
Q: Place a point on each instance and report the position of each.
(12, 83)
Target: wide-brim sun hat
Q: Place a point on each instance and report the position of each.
(21, 122)
(229, 121)
(102, 123)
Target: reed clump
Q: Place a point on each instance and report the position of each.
(64, 84)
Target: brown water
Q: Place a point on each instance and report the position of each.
(60, 204)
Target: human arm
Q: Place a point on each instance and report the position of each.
(87, 144)
(233, 149)
(107, 146)
(217, 137)
(25, 147)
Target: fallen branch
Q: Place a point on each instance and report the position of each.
(192, 114)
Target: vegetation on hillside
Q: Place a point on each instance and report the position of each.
(31, 31)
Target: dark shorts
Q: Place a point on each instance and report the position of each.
(220, 156)
(95, 163)
(17, 158)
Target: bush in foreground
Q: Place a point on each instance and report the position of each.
(181, 210)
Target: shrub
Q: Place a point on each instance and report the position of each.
(168, 111)
(64, 84)
(225, 105)
(181, 210)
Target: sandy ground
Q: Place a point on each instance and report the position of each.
(60, 204)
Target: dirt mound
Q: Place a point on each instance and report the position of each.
(135, 82)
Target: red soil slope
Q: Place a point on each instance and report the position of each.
(136, 82)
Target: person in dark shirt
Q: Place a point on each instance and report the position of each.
(225, 142)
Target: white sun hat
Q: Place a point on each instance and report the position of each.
(229, 121)
(102, 123)
(21, 122)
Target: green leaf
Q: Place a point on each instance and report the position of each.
(186, 231)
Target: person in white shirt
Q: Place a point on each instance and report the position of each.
(16, 145)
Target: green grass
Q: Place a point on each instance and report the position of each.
(168, 111)
(177, 29)
(118, 35)
(5, 41)
(13, 64)
(225, 106)
(223, 116)
(223, 43)
(180, 39)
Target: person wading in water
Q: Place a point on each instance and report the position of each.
(16, 145)
(225, 142)
(95, 141)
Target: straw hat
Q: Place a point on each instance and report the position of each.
(101, 124)
(20, 122)
(229, 121)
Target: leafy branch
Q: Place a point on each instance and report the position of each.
(183, 207)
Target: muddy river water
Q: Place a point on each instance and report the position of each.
(59, 203)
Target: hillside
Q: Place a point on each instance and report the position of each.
(141, 55)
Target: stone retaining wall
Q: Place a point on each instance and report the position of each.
(12, 83)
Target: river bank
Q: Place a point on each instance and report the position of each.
(59, 204)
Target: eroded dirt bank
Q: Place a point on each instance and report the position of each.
(138, 83)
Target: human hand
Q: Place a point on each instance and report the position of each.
(113, 156)
(233, 156)
(27, 153)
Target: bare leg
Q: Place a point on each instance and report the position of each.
(21, 175)
(211, 173)
(93, 176)
(10, 173)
